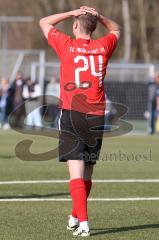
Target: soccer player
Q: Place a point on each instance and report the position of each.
(81, 123)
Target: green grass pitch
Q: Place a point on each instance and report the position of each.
(125, 220)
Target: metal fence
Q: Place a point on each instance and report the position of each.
(124, 83)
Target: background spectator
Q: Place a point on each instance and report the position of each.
(31, 93)
(15, 92)
(153, 99)
(157, 101)
(52, 99)
(4, 86)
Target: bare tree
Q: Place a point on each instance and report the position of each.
(61, 5)
(127, 30)
(143, 35)
(46, 5)
(140, 36)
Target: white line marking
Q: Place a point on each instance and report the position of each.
(33, 182)
(68, 199)
(66, 181)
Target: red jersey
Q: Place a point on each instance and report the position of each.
(82, 70)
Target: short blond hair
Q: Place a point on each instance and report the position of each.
(88, 23)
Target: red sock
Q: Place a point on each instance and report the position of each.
(79, 198)
(88, 186)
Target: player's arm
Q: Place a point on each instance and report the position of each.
(110, 25)
(47, 23)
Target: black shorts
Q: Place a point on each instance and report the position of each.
(80, 136)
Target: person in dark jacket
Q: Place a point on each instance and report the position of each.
(16, 90)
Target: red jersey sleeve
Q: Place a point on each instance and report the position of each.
(57, 40)
(109, 42)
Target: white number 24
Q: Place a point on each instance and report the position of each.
(86, 67)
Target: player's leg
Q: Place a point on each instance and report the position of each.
(79, 195)
(76, 169)
(88, 171)
(88, 178)
(71, 147)
(91, 156)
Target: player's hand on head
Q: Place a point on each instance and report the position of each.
(78, 12)
(90, 10)
(86, 7)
